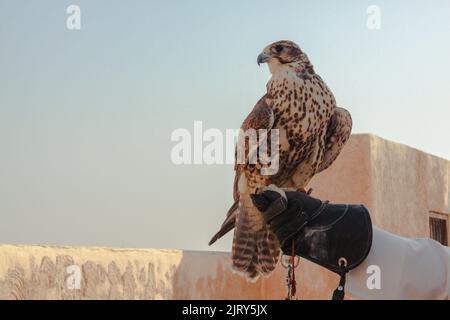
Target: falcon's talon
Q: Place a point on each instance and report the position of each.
(274, 188)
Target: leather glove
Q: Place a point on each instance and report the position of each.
(335, 236)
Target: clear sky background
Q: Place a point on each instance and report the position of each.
(86, 116)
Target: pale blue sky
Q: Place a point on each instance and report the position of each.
(86, 116)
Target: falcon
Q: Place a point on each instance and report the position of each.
(312, 132)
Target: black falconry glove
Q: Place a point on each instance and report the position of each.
(335, 236)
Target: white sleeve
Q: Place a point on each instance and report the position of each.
(409, 268)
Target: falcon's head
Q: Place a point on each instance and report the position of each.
(281, 53)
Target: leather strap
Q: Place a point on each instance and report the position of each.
(339, 292)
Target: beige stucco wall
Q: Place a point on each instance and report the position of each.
(398, 184)
(40, 272)
(37, 272)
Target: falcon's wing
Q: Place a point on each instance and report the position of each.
(338, 132)
(261, 117)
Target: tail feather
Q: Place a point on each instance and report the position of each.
(254, 252)
(244, 242)
(268, 250)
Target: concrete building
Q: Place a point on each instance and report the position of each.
(407, 192)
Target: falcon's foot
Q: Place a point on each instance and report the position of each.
(274, 188)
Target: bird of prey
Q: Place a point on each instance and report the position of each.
(312, 133)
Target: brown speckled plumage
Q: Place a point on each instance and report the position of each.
(312, 131)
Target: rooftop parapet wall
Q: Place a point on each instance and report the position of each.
(399, 185)
(50, 272)
(47, 272)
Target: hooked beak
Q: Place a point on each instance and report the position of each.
(262, 58)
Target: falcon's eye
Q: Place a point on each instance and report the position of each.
(278, 48)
